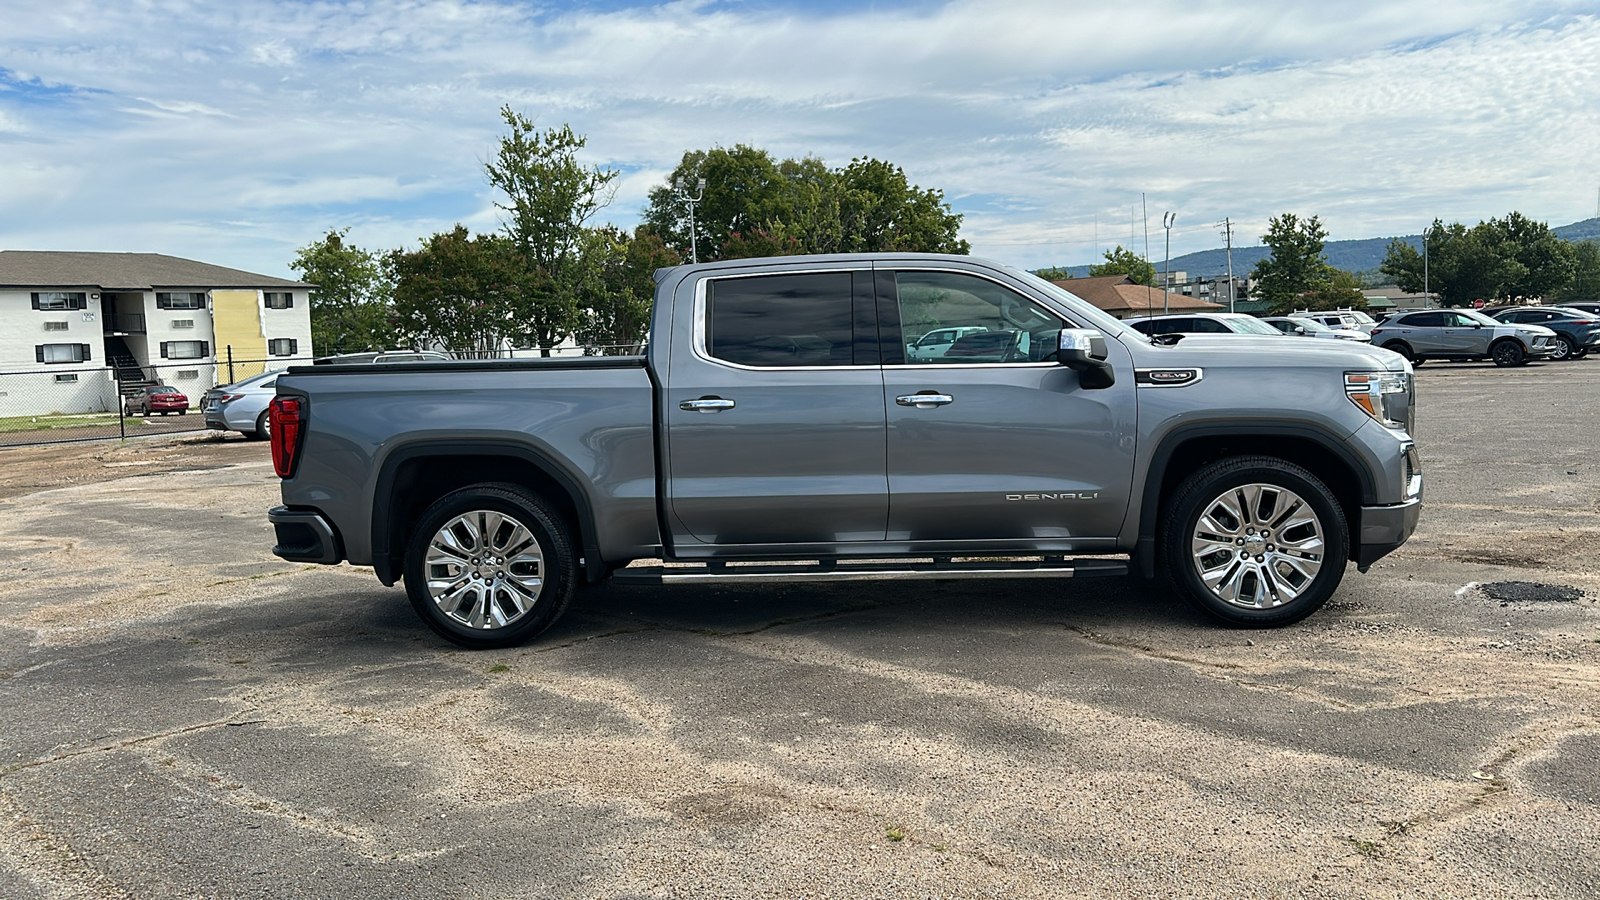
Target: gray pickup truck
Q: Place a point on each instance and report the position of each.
(785, 424)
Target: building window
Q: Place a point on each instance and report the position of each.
(279, 300)
(61, 353)
(185, 349)
(67, 378)
(181, 300)
(55, 326)
(283, 346)
(182, 323)
(60, 300)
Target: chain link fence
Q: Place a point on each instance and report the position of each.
(65, 402)
(88, 402)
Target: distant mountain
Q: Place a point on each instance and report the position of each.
(1352, 256)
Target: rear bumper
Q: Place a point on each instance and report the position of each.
(1385, 528)
(305, 536)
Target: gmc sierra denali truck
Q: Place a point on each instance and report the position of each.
(785, 424)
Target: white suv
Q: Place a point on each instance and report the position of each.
(1202, 323)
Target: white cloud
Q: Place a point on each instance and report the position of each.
(1043, 121)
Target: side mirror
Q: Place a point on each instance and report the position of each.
(1084, 351)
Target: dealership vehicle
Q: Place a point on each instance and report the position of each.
(1201, 323)
(1355, 319)
(380, 356)
(1462, 334)
(159, 398)
(1294, 325)
(934, 344)
(1577, 332)
(241, 406)
(1247, 470)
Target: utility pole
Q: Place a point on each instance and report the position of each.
(694, 254)
(1146, 207)
(1166, 268)
(1425, 292)
(1227, 232)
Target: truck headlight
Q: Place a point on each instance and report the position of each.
(1385, 396)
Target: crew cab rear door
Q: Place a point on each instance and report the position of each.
(995, 441)
(774, 412)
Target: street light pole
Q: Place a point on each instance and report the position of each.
(1166, 267)
(700, 185)
(1227, 232)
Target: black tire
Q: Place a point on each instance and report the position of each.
(492, 587)
(1281, 590)
(1565, 348)
(1402, 348)
(263, 429)
(1508, 353)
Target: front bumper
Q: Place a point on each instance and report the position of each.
(305, 536)
(1384, 529)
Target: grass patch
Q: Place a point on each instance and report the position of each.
(12, 424)
(497, 668)
(894, 833)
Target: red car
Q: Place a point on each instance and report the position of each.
(157, 399)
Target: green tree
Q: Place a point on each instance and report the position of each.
(350, 308)
(472, 295)
(1125, 262)
(1296, 266)
(753, 202)
(1054, 273)
(619, 299)
(549, 197)
(1343, 291)
(1585, 281)
(1501, 259)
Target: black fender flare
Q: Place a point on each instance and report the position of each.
(387, 561)
(1144, 555)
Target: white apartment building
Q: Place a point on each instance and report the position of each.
(76, 327)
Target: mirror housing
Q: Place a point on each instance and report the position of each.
(1084, 351)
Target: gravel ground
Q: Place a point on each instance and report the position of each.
(185, 715)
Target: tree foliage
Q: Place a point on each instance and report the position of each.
(350, 309)
(754, 205)
(1501, 259)
(621, 288)
(1125, 262)
(1585, 283)
(472, 295)
(1296, 274)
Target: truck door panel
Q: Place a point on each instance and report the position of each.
(1005, 445)
(774, 432)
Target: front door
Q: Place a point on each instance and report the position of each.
(774, 414)
(993, 441)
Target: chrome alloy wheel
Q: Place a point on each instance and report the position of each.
(1257, 546)
(485, 569)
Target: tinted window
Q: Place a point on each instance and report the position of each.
(1208, 326)
(1423, 320)
(994, 323)
(780, 320)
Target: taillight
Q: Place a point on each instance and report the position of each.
(287, 421)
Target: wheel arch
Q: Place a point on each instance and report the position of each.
(412, 477)
(1187, 449)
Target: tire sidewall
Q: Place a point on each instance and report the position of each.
(1196, 493)
(1568, 349)
(1507, 354)
(560, 569)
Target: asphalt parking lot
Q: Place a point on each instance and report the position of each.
(184, 715)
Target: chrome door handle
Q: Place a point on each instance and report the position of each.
(706, 405)
(924, 401)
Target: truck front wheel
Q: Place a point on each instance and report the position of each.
(1254, 541)
(490, 565)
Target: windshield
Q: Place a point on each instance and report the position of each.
(1361, 317)
(1248, 325)
(1311, 325)
(1479, 317)
(1097, 318)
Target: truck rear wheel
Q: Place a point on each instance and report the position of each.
(490, 565)
(1254, 541)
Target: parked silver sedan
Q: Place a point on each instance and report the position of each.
(1304, 327)
(241, 406)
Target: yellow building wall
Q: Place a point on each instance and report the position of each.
(236, 319)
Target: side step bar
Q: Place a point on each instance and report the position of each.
(903, 570)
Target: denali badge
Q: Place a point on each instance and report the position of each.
(1057, 495)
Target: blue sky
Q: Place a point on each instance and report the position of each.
(234, 133)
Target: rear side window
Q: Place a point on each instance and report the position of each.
(776, 321)
(1423, 320)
